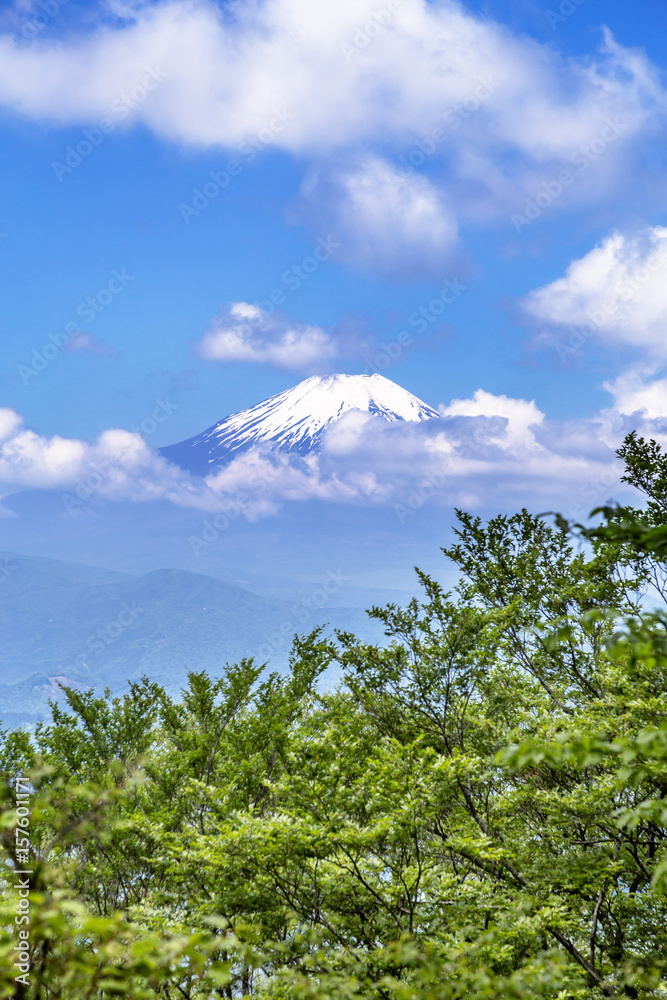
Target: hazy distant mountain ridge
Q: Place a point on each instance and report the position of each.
(87, 626)
(296, 420)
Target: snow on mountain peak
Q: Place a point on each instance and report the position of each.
(296, 419)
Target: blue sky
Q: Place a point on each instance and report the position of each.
(343, 107)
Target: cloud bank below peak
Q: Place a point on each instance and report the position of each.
(487, 452)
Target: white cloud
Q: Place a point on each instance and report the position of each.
(242, 332)
(31, 460)
(345, 434)
(384, 219)
(487, 451)
(493, 451)
(517, 417)
(258, 482)
(639, 404)
(118, 465)
(500, 453)
(280, 73)
(638, 392)
(226, 75)
(617, 293)
(10, 421)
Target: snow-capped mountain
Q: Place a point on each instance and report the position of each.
(295, 420)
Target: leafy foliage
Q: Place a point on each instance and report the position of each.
(479, 809)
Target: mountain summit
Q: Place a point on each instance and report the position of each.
(295, 420)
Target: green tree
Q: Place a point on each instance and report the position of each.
(478, 809)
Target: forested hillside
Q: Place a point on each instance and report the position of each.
(477, 811)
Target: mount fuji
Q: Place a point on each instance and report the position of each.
(295, 420)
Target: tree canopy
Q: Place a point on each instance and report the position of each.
(478, 809)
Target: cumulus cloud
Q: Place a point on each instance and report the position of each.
(259, 481)
(617, 293)
(10, 421)
(383, 218)
(638, 392)
(225, 76)
(488, 451)
(492, 114)
(31, 460)
(486, 439)
(639, 404)
(516, 419)
(242, 332)
(118, 465)
(633, 394)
